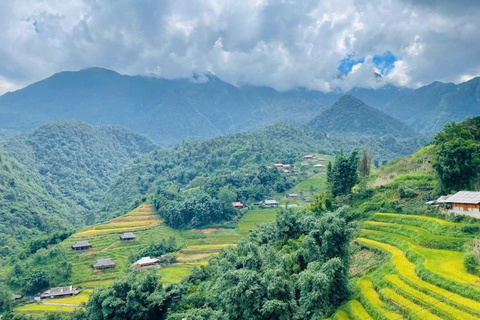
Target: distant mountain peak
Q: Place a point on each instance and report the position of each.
(349, 115)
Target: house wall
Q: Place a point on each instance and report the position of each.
(466, 207)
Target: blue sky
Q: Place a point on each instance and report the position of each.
(280, 44)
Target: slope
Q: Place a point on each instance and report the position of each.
(427, 109)
(77, 159)
(26, 208)
(350, 115)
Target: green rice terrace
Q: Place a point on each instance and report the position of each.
(196, 246)
(423, 276)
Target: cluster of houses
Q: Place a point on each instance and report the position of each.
(100, 264)
(462, 202)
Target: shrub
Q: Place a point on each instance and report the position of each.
(470, 262)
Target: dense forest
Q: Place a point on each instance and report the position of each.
(53, 177)
(237, 163)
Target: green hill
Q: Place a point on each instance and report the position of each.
(27, 208)
(350, 115)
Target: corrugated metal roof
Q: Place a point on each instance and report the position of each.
(80, 244)
(104, 263)
(467, 197)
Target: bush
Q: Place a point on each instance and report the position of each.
(470, 262)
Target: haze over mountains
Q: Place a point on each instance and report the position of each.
(169, 111)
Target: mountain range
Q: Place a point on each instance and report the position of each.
(170, 111)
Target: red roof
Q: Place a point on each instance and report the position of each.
(278, 165)
(321, 159)
(307, 156)
(286, 171)
(286, 166)
(237, 204)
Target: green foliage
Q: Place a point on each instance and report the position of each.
(343, 176)
(134, 296)
(156, 249)
(457, 156)
(470, 262)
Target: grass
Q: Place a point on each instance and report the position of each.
(341, 315)
(254, 217)
(358, 311)
(407, 306)
(76, 300)
(370, 297)
(34, 307)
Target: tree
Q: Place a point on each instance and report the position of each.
(342, 175)
(457, 157)
(365, 163)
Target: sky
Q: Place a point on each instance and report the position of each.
(332, 45)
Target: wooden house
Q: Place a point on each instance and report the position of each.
(81, 246)
(128, 236)
(59, 292)
(468, 201)
(103, 264)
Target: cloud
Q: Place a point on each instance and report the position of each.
(321, 45)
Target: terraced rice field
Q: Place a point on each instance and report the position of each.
(424, 277)
(197, 246)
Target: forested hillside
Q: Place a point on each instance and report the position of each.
(235, 161)
(428, 108)
(350, 115)
(28, 206)
(77, 158)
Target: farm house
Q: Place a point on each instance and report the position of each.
(127, 236)
(103, 264)
(59, 292)
(81, 246)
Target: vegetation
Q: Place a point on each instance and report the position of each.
(457, 155)
(343, 174)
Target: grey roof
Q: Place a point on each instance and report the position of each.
(443, 199)
(293, 195)
(80, 244)
(271, 202)
(128, 235)
(467, 197)
(104, 263)
(59, 291)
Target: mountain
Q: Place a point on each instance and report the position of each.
(27, 206)
(428, 108)
(77, 159)
(380, 97)
(167, 111)
(350, 115)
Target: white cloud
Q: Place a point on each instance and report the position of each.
(283, 44)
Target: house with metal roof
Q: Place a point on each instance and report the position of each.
(59, 292)
(145, 262)
(270, 203)
(464, 201)
(81, 246)
(103, 264)
(127, 236)
(292, 196)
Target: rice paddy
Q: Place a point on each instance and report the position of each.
(424, 277)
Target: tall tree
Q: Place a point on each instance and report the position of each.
(457, 156)
(365, 163)
(342, 175)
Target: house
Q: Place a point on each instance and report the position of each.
(59, 292)
(319, 166)
(278, 165)
(286, 166)
(81, 246)
(305, 164)
(103, 264)
(145, 262)
(270, 203)
(321, 159)
(292, 196)
(16, 297)
(286, 171)
(308, 156)
(463, 201)
(127, 236)
(238, 205)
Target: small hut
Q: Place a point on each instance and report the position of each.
(81, 246)
(101, 264)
